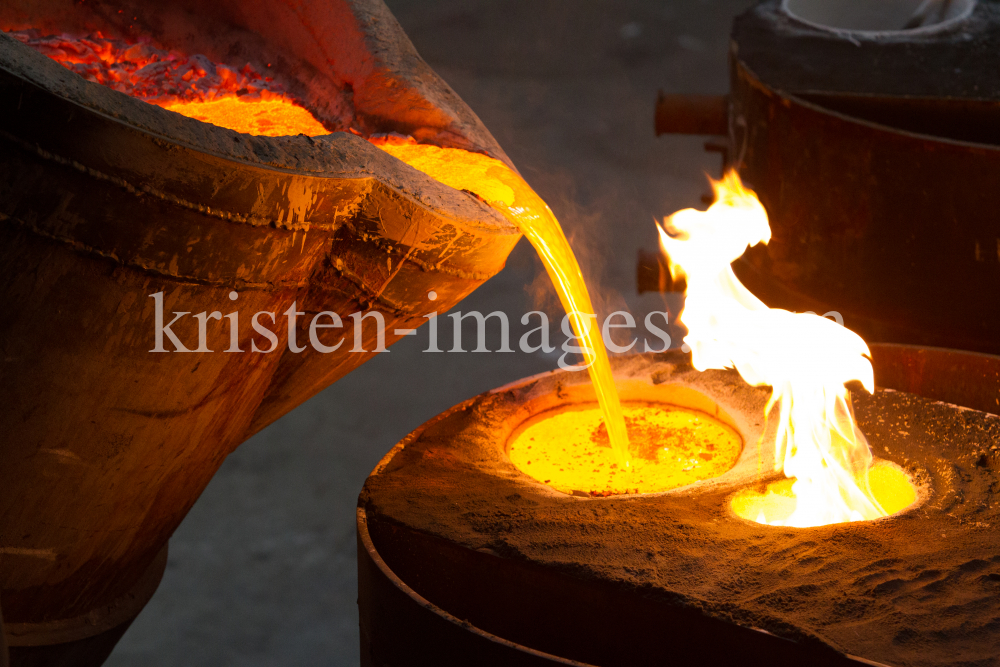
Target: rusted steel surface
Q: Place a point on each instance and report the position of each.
(895, 230)
(961, 119)
(691, 114)
(953, 376)
(399, 625)
(106, 200)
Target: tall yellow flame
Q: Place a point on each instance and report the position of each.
(805, 358)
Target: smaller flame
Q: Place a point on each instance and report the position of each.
(805, 358)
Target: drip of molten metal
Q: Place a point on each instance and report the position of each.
(805, 358)
(239, 99)
(509, 194)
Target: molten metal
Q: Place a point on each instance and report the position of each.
(890, 487)
(568, 449)
(271, 117)
(508, 193)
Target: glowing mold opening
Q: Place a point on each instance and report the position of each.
(775, 504)
(567, 448)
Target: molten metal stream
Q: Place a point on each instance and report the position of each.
(805, 359)
(507, 192)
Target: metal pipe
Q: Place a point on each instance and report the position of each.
(692, 114)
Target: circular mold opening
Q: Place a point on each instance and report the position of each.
(879, 16)
(567, 448)
(890, 486)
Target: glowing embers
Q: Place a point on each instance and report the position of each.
(240, 99)
(568, 449)
(275, 117)
(889, 486)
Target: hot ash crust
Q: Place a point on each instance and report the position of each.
(877, 589)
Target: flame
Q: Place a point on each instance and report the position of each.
(805, 358)
(240, 99)
(508, 193)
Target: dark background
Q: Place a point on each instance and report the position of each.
(262, 571)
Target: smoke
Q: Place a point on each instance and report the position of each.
(593, 219)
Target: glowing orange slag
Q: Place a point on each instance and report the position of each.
(507, 192)
(240, 99)
(806, 359)
(568, 449)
